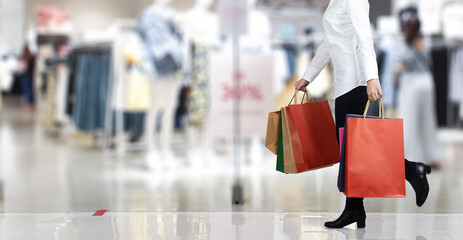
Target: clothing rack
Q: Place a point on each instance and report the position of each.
(451, 109)
(453, 118)
(85, 117)
(113, 130)
(97, 47)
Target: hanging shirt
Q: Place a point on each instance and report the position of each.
(348, 44)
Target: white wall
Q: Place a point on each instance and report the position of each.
(11, 26)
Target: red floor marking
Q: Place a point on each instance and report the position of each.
(100, 213)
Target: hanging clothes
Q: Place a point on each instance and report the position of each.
(281, 73)
(291, 54)
(181, 114)
(62, 77)
(198, 99)
(455, 76)
(456, 79)
(162, 40)
(440, 73)
(91, 78)
(71, 95)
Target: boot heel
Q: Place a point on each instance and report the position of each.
(427, 169)
(361, 223)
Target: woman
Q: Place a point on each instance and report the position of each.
(348, 44)
(416, 97)
(27, 62)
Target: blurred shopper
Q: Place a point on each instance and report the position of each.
(416, 97)
(26, 63)
(348, 44)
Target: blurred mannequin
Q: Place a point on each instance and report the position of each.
(163, 9)
(258, 38)
(201, 24)
(164, 46)
(202, 34)
(131, 87)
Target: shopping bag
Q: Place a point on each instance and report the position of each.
(280, 155)
(341, 135)
(291, 145)
(138, 94)
(298, 153)
(374, 156)
(316, 131)
(271, 138)
(342, 161)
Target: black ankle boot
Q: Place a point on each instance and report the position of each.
(347, 217)
(420, 184)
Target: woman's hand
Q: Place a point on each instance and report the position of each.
(301, 85)
(374, 90)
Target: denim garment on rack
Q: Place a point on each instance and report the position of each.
(91, 90)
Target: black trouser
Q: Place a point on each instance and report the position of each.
(354, 102)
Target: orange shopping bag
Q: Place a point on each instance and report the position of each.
(375, 165)
(271, 138)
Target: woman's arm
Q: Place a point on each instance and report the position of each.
(318, 63)
(358, 11)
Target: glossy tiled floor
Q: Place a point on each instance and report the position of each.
(52, 185)
(218, 225)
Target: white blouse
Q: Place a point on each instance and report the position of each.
(348, 44)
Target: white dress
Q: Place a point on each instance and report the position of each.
(416, 105)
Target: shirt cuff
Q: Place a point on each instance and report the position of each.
(309, 74)
(370, 72)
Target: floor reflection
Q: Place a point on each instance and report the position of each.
(62, 174)
(294, 226)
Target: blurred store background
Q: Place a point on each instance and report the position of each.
(127, 105)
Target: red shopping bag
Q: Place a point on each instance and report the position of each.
(295, 141)
(290, 150)
(315, 128)
(375, 165)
